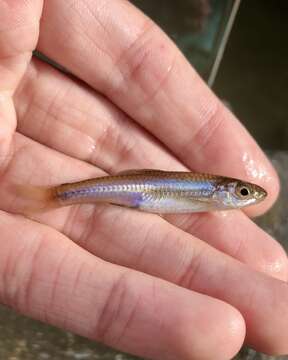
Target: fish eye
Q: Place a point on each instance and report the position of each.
(244, 191)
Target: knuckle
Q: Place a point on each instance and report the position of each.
(103, 142)
(125, 148)
(132, 55)
(206, 130)
(192, 269)
(30, 283)
(113, 140)
(149, 233)
(194, 224)
(118, 311)
(18, 275)
(146, 63)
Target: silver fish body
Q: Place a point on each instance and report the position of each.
(159, 191)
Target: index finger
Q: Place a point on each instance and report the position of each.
(120, 52)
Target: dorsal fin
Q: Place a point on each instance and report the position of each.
(138, 171)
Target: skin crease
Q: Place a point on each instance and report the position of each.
(179, 287)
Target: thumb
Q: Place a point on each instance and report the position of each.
(19, 28)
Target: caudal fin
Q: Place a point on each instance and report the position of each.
(35, 198)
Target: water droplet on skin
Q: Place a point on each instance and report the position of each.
(91, 146)
(223, 214)
(275, 267)
(255, 170)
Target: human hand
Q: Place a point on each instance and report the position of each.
(135, 281)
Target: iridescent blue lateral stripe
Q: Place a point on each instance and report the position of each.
(135, 191)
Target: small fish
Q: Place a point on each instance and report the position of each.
(154, 191)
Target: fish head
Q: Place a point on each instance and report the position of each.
(233, 194)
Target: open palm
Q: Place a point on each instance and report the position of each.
(136, 281)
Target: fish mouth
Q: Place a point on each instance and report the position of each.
(260, 194)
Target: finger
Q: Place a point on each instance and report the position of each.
(141, 71)
(77, 120)
(160, 250)
(137, 240)
(233, 233)
(17, 19)
(46, 276)
(66, 115)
